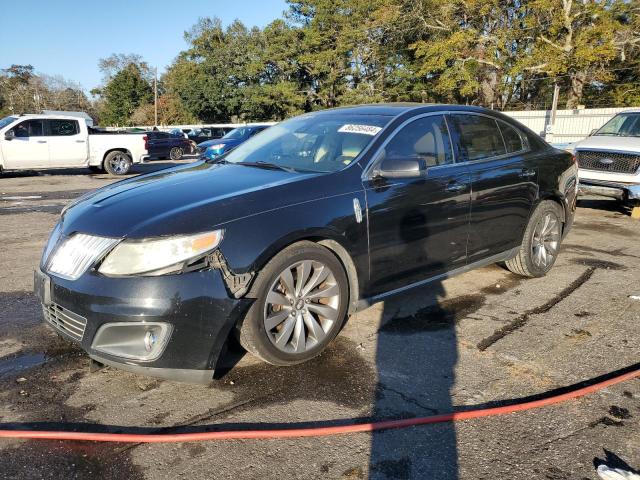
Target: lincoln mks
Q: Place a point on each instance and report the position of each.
(278, 240)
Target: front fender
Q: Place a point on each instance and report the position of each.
(249, 243)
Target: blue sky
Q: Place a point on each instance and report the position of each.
(67, 37)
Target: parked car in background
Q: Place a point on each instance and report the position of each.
(213, 148)
(609, 159)
(204, 134)
(162, 145)
(279, 239)
(55, 141)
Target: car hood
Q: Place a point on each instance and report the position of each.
(610, 143)
(230, 142)
(186, 199)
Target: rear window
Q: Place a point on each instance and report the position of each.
(479, 136)
(512, 139)
(61, 128)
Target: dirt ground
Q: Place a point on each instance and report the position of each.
(474, 340)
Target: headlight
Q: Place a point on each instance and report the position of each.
(158, 256)
(217, 146)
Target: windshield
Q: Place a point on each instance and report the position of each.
(6, 121)
(238, 133)
(311, 142)
(622, 125)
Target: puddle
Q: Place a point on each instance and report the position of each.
(17, 363)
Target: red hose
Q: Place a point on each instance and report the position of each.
(318, 431)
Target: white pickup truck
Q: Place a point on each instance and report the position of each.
(609, 159)
(30, 142)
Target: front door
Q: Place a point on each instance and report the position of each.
(67, 144)
(28, 148)
(503, 181)
(418, 226)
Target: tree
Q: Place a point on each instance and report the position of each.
(578, 41)
(124, 93)
(170, 112)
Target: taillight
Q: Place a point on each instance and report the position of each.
(146, 142)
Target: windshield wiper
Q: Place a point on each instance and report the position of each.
(272, 166)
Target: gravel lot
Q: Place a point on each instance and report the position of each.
(476, 339)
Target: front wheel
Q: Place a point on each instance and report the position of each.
(117, 163)
(540, 243)
(301, 303)
(176, 153)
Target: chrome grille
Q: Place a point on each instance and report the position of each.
(608, 161)
(65, 321)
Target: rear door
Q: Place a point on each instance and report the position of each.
(67, 143)
(418, 226)
(29, 148)
(158, 143)
(503, 181)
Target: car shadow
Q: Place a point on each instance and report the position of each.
(602, 203)
(416, 355)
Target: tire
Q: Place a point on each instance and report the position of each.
(176, 153)
(540, 243)
(117, 163)
(282, 332)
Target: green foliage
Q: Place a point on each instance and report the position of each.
(126, 91)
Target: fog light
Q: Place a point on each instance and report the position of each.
(149, 340)
(142, 341)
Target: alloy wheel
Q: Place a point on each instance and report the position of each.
(119, 164)
(302, 306)
(545, 241)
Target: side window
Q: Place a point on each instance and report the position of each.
(63, 128)
(426, 138)
(512, 138)
(28, 128)
(479, 136)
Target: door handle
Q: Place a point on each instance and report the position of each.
(527, 173)
(79, 141)
(455, 187)
(42, 141)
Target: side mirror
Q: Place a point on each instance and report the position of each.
(400, 168)
(10, 135)
(593, 131)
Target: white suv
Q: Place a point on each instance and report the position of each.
(609, 159)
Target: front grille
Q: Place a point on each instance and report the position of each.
(65, 321)
(608, 161)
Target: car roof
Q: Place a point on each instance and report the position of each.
(38, 116)
(395, 109)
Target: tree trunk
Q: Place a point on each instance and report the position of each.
(574, 97)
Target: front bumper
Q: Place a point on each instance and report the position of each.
(196, 305)
(621, 191)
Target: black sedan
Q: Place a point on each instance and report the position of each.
(280, 239)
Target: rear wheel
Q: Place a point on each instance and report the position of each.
(541, 242)
(301, 303)
(117, 163)
(176, 153)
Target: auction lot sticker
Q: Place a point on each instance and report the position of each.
(364, 129)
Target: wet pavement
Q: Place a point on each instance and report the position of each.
(483, 337)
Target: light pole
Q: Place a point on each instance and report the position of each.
(155, 96)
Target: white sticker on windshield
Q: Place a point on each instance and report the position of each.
(364, 129)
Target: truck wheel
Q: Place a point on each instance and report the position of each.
(117, 163)
(540, 243)
(301, 303)
(176, 153)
